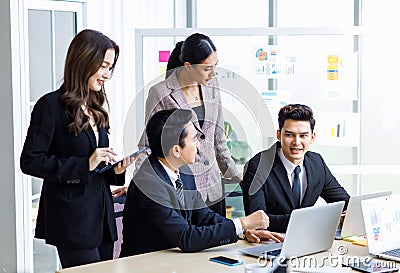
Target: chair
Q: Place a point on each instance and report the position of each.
(233, 198)
(119, 204)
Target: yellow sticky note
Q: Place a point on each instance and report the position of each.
(361, 242)
(352, 238)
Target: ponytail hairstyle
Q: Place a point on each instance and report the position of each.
(84, 58)
(194, 50)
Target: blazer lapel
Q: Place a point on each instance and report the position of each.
(103, 139)
(281, 174)
(92, 138)
(177, 95)
(311, 180)
(159, 169)
(208, 102)
(175, 91)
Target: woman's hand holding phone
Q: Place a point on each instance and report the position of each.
(125, 163)
(121, 166)
(101, 154)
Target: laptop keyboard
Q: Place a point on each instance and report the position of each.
(393, 252)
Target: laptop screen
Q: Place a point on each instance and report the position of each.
(353, 224)
(382, 222)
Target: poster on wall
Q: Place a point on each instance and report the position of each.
(275, 100)
(163, 57)
(271, 63)
(341, 79)
(338, 129)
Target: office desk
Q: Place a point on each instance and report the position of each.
(174, 260)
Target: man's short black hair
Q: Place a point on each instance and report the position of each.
(167, 128)
(296, 112)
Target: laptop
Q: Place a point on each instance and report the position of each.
(310, 230)
(353, 224)
(382, 226)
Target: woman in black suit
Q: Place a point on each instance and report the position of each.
(67, 142)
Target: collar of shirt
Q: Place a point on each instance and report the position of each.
(172, 175)
(289, 166)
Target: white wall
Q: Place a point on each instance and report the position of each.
(118, 19)
(8, 249)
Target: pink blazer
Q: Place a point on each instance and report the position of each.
(214, 157)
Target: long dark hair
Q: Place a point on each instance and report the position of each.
(84, 58)
(195, 49)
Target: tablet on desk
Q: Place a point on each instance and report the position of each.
(112, 165)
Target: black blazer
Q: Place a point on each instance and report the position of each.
(266, 186)
(76, 205)
(154, 220)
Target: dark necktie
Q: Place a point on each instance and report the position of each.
(296, 189)
(179, 191)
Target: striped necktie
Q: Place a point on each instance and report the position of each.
(179, 191)
(296, 189)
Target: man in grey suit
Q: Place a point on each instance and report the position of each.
(288, 176)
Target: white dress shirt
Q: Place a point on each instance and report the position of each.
(289, 166)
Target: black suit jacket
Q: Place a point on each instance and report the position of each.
(266, 186)
(154, 220)
(76, 205)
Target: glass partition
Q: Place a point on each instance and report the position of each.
(314, 66)
(50, 28)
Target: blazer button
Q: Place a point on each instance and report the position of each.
(206, 162)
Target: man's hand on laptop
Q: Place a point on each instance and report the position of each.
(256, 220)
(255, 236)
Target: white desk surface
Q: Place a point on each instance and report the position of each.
(175, 261)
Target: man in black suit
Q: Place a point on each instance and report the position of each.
(288, 176)
(164, 210)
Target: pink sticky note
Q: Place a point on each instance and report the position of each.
(163, 56)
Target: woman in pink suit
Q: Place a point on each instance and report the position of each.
(191, 84)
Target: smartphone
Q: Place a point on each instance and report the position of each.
(112, 165)
(273, 254)
(372, 267)
(226, 260)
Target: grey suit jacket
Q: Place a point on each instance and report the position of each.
(213, 155)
